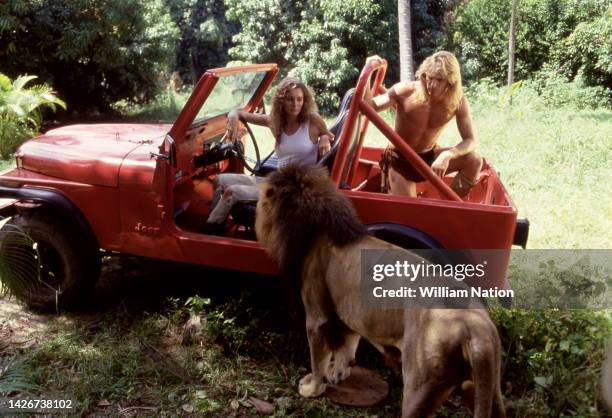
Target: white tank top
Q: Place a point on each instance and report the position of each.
(297, 148)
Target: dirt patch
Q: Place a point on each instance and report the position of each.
(19, 328)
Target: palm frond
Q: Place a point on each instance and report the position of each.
(13, 378)
(22, 80)
(19, 269)
(20, 110)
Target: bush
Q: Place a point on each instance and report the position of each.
(551, 361)
(93, 53)
(20, 116)
(13, 378)
(545, 90)
(587, 52)
(555, 90)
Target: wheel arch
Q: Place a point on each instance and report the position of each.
(56, 202)
(403, 236)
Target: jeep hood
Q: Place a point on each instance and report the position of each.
(90, 154)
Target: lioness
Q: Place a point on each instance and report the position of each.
(312, 231)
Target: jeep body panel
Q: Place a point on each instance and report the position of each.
(90, 154)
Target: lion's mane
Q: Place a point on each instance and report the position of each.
(299, 205)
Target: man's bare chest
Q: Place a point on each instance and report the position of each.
(423, 115)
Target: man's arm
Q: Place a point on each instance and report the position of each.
(468, 139)
(384, 98)
(466, 129)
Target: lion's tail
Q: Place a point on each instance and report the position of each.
(484, 360)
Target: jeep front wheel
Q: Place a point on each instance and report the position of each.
(44, 263)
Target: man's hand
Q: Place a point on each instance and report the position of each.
(440, 165)
(324, 145)
(372, 58)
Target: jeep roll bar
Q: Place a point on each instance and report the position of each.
(379, 66)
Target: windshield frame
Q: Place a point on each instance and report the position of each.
(206, 85)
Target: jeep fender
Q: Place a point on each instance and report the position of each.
(60, 205)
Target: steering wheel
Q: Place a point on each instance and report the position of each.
(249, 163)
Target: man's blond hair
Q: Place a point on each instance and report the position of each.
(445, 64)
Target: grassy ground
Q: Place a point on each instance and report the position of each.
(124, 354)
(5, 164)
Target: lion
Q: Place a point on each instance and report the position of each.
(313, 233)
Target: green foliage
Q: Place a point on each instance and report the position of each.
(13, 378)
(572, 36)
(163, 107)
(571, 279)
(267, 29)
(587, 52)
(326, 42)
(555, 90)
(25, 272)
(551, 360)
(205, 36)
(333, 41)
(93, 53)
(234, 325)
(20, 107)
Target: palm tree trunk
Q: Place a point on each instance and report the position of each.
(405, 40)
(511, 44)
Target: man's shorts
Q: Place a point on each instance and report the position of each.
(392, 158)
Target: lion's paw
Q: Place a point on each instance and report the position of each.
(337, 371)
(310, 388)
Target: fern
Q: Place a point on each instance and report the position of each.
(20, 116)
(19, 269)
(12, 378)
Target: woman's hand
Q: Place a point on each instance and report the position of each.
(324, 145)
(232, 132)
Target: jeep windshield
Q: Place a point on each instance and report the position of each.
(231, 91)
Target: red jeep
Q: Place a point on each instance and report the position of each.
(146, 189)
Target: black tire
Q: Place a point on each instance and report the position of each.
(44, 263)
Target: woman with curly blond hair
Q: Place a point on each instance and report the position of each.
(301, 137)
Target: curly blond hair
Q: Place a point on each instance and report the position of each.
(447, 66)
(277, 114)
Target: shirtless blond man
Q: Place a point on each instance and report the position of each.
(424, 107)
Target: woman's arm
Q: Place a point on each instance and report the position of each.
(323, 135)
(235, 115)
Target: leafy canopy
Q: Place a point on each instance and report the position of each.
(93, 52)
